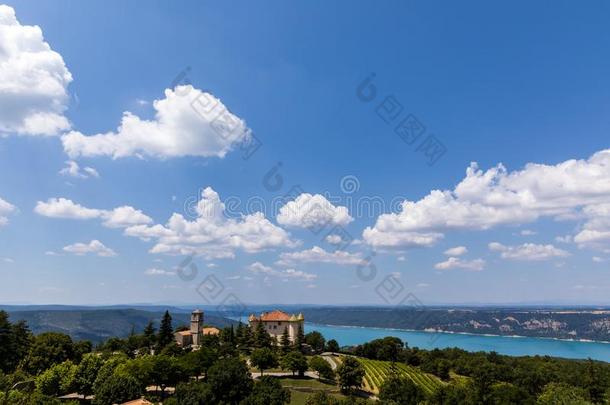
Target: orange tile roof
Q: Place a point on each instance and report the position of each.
(276, 315)
(211, 331)
(184, 332)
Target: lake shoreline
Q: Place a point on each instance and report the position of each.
(462, 333)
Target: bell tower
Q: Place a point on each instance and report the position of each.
(196, 326)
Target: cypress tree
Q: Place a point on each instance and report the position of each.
(239, 335)
(261, 337)
(149, 334)
(285, 340)
(166, 331)
(300, 339)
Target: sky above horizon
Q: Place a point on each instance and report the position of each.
(397, 153)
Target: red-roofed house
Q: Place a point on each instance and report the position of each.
(276, 321)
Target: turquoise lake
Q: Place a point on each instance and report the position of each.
(514, 346)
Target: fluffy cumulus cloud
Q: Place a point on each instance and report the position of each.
(72, 169)
(187, 122)
(319, 255)
(94, 247)
(287, 274)
(312, 211)
(33, 80)
(528, 251)
(456, 251)
(571, 190)
(457, 263)
(6, 209)
(212, 234)
(120, 217)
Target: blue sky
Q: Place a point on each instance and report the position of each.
(524, 86)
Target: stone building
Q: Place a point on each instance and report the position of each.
(193, 336)
(276, 321)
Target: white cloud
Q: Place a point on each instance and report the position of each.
(72, 169)
(528, 251)
(64, 208)
(212, 234)
(182, 127)
(312, 211)
(319, 255)
(259, 268)
(94, 247)
(334, 239)
(158, 272)
(597, 259)
(6, 208)
(456, 251)
(33, 80)
(457, 263)
(120, 217)
(528, 232)
(125, 216)
(571, 190)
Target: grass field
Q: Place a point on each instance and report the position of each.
(303, 388)
(378, 371)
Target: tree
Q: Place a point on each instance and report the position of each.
(562, 394)
(107, 370)
(117, 389)
(443, 367)
(165, 372)
(86, 373)
(172, 350)
(6, 343)
(285, 340)
(21, 342)
(401, 391)
(261, 337)
(193, 393)
(505, 393)
(350, 374)
(453, 394)
(268, 391)
(227, 336)
(332, 346)
(316, 341)
(321, 366)
(263, 359)
(592, 381)
(198, 362)
(247, 336)
(230, 380)
(166, 331)
(15, 341)
(300, 338)
(321, 398)
(57, 380)
(48, 349)
(81, 348)
(149, 334)
(295, 362)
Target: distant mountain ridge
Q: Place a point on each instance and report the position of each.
(560, 323)
(98, 325)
